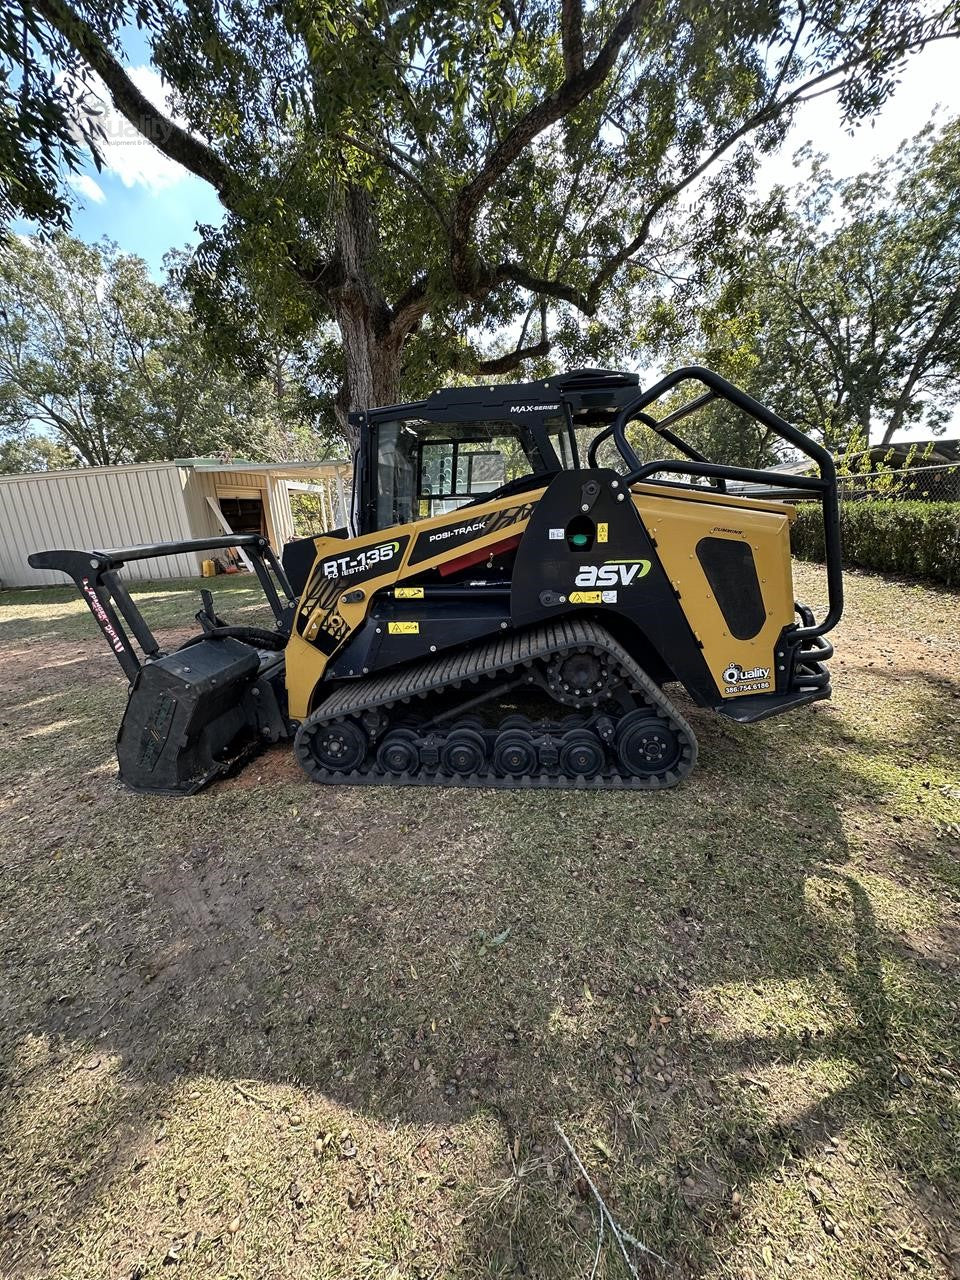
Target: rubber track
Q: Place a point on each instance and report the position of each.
(407, 684)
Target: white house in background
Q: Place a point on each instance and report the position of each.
(100, 508)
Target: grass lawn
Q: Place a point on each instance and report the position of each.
(279, 1030)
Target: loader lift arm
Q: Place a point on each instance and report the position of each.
(96, 576)
(206, 708)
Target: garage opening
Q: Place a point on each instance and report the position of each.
(244, 515)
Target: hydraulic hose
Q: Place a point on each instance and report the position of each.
(255, 636)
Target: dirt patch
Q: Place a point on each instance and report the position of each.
(49, 665)
(274, 766)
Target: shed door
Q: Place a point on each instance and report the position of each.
(243, 510)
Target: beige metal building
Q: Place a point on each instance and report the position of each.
(99, 508)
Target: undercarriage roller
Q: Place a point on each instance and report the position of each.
(626, 732)
(514, 755)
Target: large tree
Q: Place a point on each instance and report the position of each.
(838, 303)
(422, 171)
(100, 364)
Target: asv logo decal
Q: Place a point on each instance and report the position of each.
(737, 680)
(344, 566)
(614, 573)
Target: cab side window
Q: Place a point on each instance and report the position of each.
(454, 472)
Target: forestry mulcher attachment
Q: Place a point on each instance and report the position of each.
(505, 610)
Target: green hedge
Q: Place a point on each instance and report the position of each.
(920, 539)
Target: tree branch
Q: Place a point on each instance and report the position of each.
(588, 301)
(175, 143)
(571, 37)
(789, 55)
(410, 308)
(513, 359)
(544, 113)
(518, 274)
(391, 156)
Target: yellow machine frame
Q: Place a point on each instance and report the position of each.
(676, 521)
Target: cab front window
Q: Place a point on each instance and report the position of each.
(427, 468)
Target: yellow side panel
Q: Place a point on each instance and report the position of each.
(717, 499)
(305, 663)
(304, 667)
(677, 525)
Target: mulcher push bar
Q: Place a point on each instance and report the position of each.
(96, 575)
(823, 485)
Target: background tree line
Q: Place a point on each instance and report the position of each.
(440, 190)
(100, 364)
(837, 302)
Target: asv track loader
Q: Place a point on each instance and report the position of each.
(505, 611)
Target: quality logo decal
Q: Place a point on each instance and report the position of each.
(736, 680)
(612, 573)
(346, 566)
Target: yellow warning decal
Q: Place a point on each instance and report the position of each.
(408, 593)
(403, 628)
(603, 531)
(585, 597)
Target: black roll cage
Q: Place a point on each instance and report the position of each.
(822, 486)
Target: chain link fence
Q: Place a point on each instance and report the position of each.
(936, 483)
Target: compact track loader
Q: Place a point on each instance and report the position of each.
(505, 611)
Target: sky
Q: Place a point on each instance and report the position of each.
(929, 89)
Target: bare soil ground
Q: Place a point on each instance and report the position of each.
(276, 1030)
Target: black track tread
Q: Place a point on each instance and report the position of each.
(419, 679)
(432, 674)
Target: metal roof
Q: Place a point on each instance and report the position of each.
(273, 468)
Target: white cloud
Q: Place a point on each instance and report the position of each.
(127, 153)
(124, 149)
(927, 91)
(84, 185)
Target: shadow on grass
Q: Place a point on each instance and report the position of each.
(607, 962)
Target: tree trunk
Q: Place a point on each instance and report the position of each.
(371, 370)
(896, 419)
(864, 422)
(371, 343)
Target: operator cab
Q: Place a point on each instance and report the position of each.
(470, 444)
